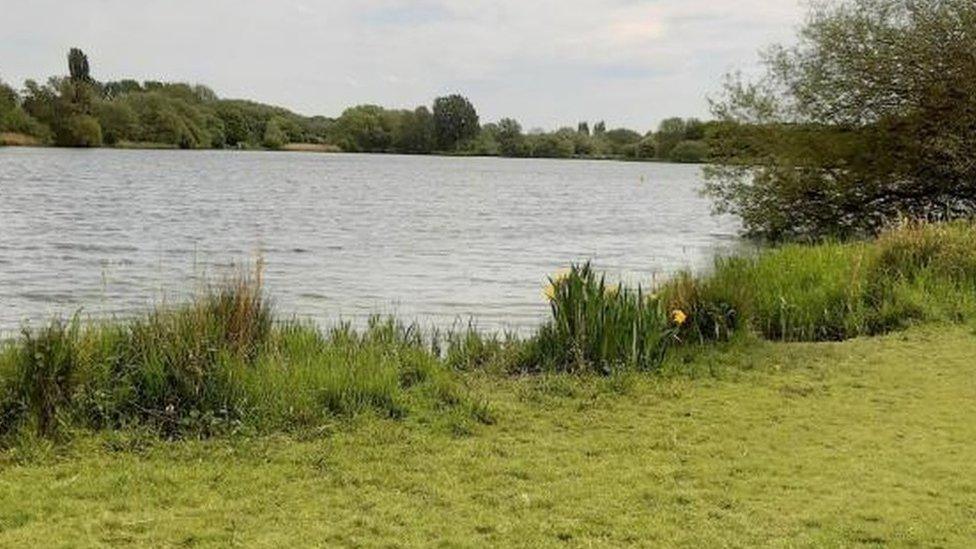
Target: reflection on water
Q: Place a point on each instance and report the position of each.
(343, 236)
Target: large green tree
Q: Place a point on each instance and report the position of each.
(868, 119)
(455, 120)
(78, 66)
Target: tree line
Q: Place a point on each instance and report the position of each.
(80, 111)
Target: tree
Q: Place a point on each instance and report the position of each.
(622, 142)
(694, 130)
(689, 152)
(511, 142)
(647, 147)
(670, 132)
(8, 98)
(869, 118)
(117, 120)
(552, 145)
(455, 120)
(583, 128)
(365, 128)
(274, 136)
(82, 130)
(416, 132)
(600, 128)
(78, 66)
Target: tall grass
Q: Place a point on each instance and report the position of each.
(221, 361)
(833, 291)
(600, 327)
(218, 363)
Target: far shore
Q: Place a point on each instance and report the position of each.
(12, 139)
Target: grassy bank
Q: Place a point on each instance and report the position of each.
(224, 365)
(743, 407)
(862, 443)
(14, 139)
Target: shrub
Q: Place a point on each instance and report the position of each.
(690, 152)
(81, 130)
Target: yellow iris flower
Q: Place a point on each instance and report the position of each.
(678, 317)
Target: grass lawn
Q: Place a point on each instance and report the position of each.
(867, 442)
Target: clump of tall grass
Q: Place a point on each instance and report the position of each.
(833, 290)
(218, 363)
(600, 327)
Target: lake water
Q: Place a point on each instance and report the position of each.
(432, 239)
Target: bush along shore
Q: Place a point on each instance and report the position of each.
(222, 363)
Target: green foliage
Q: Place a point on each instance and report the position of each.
(670, 132)
(455, 120)
(81, 130)
(511, 142)
(646, 147)
(274, 136)
(219, 363)
(596, 327)
(415, 132)
(690, 152)
(9, 100)
(551, 145)
(165, 119)
(193, 116)
(222, 363)
(834, 291)
(118, 121)
(366, 128)
(78, 66)
(48, 362)
(868, 119)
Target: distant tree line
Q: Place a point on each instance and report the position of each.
(79, 111)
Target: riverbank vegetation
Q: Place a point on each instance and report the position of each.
(79, 111)
(861, 443)
(224, 363)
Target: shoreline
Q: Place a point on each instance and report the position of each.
(315, 148)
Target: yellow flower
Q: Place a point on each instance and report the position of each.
(555, 280)
(550, 292)
(611, 290)
(678, 317)
(560, 275)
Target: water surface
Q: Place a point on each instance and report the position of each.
(433, 239)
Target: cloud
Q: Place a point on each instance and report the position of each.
(546, 62)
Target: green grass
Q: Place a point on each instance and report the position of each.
(868, 442)
(834, 291)
(218, 365)
(694, 415)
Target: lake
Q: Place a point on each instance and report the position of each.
(433, 239)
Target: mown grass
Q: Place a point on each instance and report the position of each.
(864, 443)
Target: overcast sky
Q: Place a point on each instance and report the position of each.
(545, 62)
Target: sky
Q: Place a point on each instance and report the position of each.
(547, 63)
